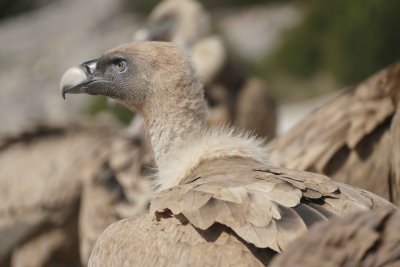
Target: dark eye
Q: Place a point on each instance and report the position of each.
(120, 66)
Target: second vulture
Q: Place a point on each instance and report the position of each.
(355, 138)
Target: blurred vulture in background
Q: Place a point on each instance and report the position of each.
(116, 185)
(234, 97)
(354, 139)
(61, 186)
(40, 189)
(370, 238)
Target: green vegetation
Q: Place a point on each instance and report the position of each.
(349, 39)
(100, 104)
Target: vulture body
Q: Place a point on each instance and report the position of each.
(40, 192)
(370, 238)
(220, 200)
(354, 138)
(240, 215)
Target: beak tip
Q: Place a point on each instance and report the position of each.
(71, 78)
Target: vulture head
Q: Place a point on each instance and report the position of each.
(140, 75)
(179, 21)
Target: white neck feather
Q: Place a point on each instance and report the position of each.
(176, 120)
(209, 145)
(175, 115)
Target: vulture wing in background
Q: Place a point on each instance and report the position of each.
(351, 137)
(116, 187)
(39, 193)
(394, 182)
(52, 177)
(369, 238)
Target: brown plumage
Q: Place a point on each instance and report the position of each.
(354, 138)
(221, 201)
(40, 192)
(370, 238)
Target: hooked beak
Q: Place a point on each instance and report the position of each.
(78, 79)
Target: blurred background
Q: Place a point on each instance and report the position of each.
(304, 50)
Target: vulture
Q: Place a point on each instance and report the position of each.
(220, 200)
(62, 185)
(234, 96)
(369, 238)
(354, 139)
(40, 192)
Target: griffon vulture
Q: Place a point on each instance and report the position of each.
(221, 201)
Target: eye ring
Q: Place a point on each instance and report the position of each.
(120, 66)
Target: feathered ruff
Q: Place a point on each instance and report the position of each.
(210, 145)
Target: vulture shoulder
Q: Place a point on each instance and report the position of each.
(350, 138)
(227, 212)
(40, 186)
(370, 238)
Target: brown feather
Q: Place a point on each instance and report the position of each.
(352, 137)
(370, 238)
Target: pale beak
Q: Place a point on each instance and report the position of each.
(77, 79)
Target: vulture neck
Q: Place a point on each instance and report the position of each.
(177, 113)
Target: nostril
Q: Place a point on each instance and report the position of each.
(89, 66)
(87, 69)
